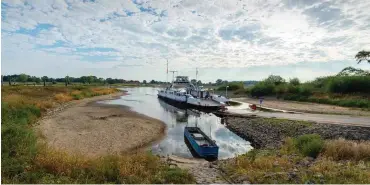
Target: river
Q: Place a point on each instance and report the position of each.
(144, 100)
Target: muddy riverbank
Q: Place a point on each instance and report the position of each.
(89, 128)
(270, 132)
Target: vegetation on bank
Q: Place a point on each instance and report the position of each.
(305, 159)
(349, 88)
(24, 160)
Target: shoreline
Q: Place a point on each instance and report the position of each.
(306, 107)
(271, 132)
(89, 128)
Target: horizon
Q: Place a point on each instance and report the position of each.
(228, 40)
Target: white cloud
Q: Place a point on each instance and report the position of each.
(190, 33)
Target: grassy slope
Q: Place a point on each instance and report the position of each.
(337, 161)
(25, 161)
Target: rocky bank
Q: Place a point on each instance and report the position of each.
(270, 132)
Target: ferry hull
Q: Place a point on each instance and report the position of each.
(188, 105)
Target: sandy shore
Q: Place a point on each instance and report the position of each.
(306, 107)
(92, 129)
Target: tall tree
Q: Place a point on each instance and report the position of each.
(90, 79)
(218, 81)
(66, 80)
(23, 78)
(44, 79)
(275, 79)
(294, 81)
(193, 81)
(363, 55)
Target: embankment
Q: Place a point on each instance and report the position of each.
(270, 132)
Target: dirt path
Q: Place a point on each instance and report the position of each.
(92, 129)
(203, 171)
(306, 107)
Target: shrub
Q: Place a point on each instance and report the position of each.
(309, 144)
(232, 86)
(262, 89)
(349, 84)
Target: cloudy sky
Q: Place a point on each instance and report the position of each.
(227, 39)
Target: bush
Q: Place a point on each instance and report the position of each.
(309, 144)
(262, 89)
(232, 86)
(349, 84)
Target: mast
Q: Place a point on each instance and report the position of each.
(167, 72)
(196, 78)
(173, 74)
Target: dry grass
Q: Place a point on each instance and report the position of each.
(331, 172)
(341, 161)
(342, 149)
(23, 161)
(134, 168)
(62, 98)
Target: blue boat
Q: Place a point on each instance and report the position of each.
(200, 143)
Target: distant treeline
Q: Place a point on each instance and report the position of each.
(24, 78)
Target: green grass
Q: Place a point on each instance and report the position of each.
(23, 160)
(309, 145)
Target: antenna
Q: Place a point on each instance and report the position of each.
(173, 74)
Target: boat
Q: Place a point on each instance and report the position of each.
(200, 144)
(183, 92)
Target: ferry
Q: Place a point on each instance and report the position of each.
(183, 92)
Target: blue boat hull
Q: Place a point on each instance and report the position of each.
(207, 152)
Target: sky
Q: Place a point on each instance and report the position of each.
(224, 39)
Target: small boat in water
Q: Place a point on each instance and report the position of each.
(200, 143)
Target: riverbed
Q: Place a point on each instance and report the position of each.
(144, 101)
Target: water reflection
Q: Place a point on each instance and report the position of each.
(145, 101)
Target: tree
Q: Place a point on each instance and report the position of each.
(37, 80)
(218, 81)
(193, 81)
(363, 55)
(84, 79)
(294, 81)
(23, 78)
(90, 79)
(66, 80)
(274, 79)
(199, 82)
(101, 80)
(144, 81)
(44, 79)
(152, 81)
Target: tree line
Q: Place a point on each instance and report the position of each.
(24, 78)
